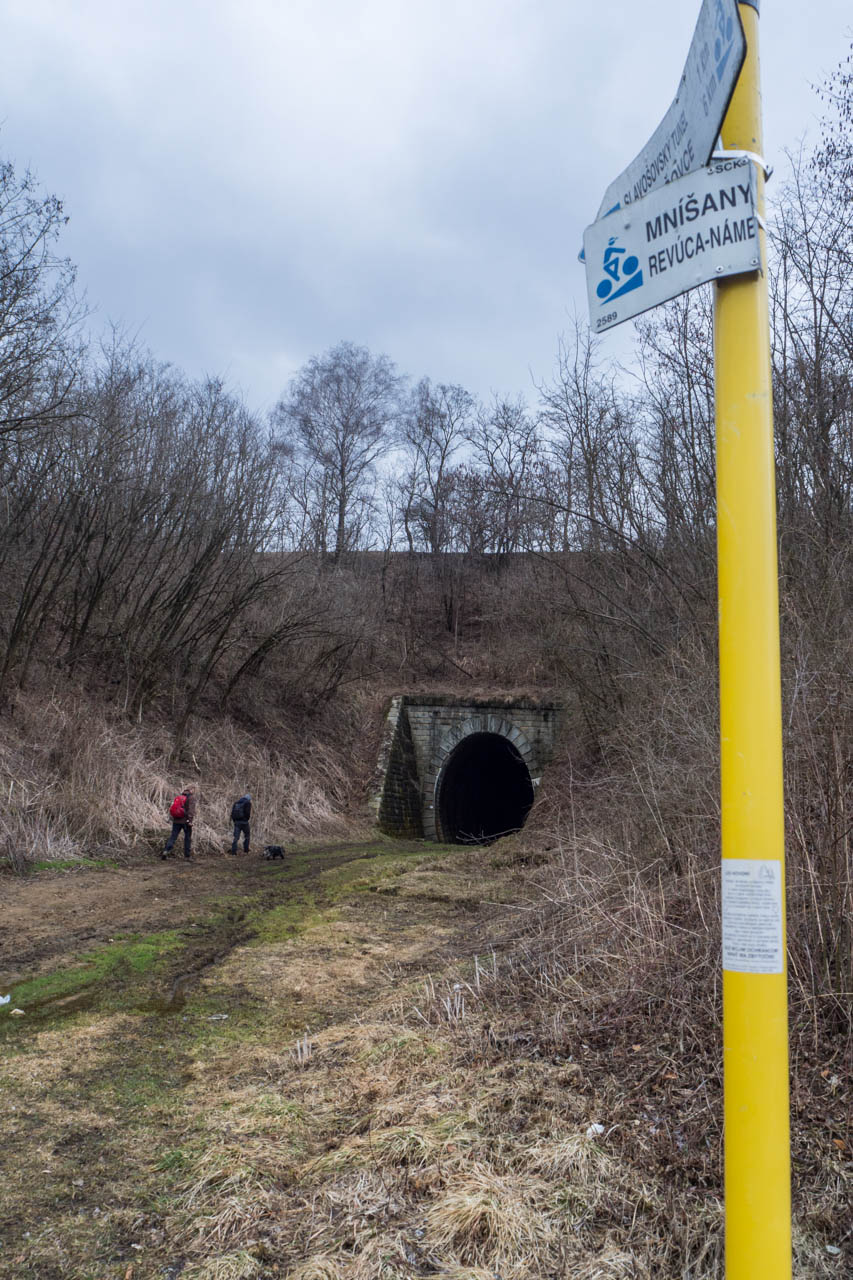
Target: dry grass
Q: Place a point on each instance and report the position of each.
(410, 1142)
(487, 1216)
(78, 781)
(320, 1267)
(478, 1169)
(548, 1108)
(239, 1265)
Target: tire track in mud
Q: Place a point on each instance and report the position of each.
(204, 941)
(133, 1113)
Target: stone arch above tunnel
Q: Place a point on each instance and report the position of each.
(424, 735)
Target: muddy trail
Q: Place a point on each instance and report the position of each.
(55, 914)
(360, 1064)
(153, 996)
(142, 936)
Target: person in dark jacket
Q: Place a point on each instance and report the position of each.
(184, 824)
(241, 813)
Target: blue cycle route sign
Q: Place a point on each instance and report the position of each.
(695, 229)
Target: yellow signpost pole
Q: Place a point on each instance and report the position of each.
(755, 1023)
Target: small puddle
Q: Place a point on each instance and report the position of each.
(174, 1001)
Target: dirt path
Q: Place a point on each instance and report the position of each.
(56, 914)
(354, 1066)
(169, 1015)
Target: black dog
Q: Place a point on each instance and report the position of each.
(273, 851)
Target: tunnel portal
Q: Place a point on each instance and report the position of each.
(461, 769)
(484, 790)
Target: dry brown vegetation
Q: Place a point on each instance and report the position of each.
(415, 1084)
(246, 632)
(81, 782)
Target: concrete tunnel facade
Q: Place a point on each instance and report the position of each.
(461, 771)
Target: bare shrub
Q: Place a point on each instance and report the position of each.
(78, 780)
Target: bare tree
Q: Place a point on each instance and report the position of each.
(435, 425)
(39, 313)
(812, 302)
(506, 442)
(339, 416)
(592, 447)
(677, 369)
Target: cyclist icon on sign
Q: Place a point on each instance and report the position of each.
(622, 268)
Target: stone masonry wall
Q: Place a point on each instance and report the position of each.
(421, 733)
(400, 806)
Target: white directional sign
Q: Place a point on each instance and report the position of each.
(699, 228)
(685, 138)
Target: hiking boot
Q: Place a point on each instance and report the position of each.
(164, 855)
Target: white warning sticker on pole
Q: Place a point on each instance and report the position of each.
(752, 915)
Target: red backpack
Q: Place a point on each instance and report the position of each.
(178, 808)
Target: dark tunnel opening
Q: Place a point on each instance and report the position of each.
(485, 790)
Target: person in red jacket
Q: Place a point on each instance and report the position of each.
(182, 816)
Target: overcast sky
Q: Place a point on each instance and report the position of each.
(251, 182)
